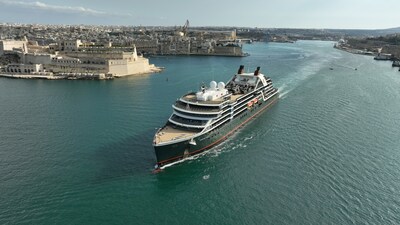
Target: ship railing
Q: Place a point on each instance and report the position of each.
(188, 107)
(157, 138)
(266, 90)
(269, 94)
(240, 102)
(207, 103)
(191, 98)
(185, 124)
(195, 116)
(224, 117)
(217, 124)
(189, 121)
(250, 93)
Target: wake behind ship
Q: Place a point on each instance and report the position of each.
(205, 118)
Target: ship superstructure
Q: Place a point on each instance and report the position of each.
(205, 118)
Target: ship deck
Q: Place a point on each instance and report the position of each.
(192, 98)
(169, 133)
(234, 97)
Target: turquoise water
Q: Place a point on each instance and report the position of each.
(79, 152)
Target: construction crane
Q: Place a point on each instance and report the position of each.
(185, 28)
(182, 31)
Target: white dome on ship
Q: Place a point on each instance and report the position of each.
(213, 85)
(221, 85)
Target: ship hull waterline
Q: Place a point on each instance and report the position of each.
(172, 153)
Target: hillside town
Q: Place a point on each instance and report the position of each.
(107, 52)
(102, 52)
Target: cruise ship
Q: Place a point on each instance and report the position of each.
(203, 119)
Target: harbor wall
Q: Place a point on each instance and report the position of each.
(124, 67)
(228, 50)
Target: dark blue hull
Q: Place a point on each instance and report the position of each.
(170, 153)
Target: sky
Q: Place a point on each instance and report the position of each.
(339, 14)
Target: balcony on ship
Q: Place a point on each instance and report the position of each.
(186, 107)
(180, 121)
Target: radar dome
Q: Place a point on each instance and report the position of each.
(213, 85)
(221, 85)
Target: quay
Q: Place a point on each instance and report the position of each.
(67, 76)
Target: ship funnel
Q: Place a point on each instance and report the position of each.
(257, 71)
(241, 68)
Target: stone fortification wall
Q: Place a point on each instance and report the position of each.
(123, 67)
(9, 45)
(228, 50)
(77, 68)
(99, 54)
(32, 58)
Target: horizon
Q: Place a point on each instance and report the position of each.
(283, 14)
(204, 26)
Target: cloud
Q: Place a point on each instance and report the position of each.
(60, 9)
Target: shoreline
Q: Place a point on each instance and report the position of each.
(355, 51)
(77, 76)
(50, 77)
(376, 56)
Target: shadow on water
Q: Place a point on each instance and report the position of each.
(130, 156)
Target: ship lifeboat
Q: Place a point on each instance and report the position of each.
(255, 100)
(249, 104)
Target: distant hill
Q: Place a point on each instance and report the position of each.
(384, 42)
(389, 31)
(328, 34)
(361, 32)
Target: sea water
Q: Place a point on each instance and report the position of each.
(80, 152)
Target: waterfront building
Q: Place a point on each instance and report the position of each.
(69, 45)
(111, 62)
(147, 46)
(130, 63)
(201, 47)
(24, 68)
(11, 45)
(73, 56)
(117, 63)
(36, 58)
(232, 49)
(172, 47)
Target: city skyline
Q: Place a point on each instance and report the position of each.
(367, 14)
